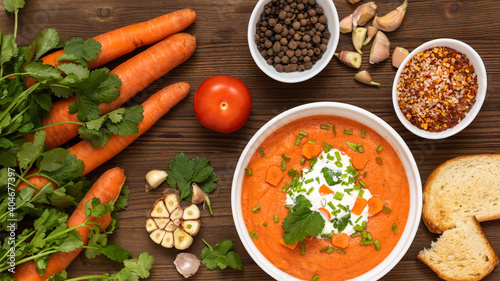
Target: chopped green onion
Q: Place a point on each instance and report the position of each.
(315, 277)
(337, 154)
(313, 161)
(253, 235)
(363, 184)
(303, 249)
(276, 218)
(358, 228)
(343, 207)
(310, 191)
(355, 234)
(338, 195)
(290, 193)
(283, 165)
(363, 133)
(330, 204)
(261, 150)
(298, 140)
(356, 187)
(347, 132)
(264, 224)
(369, 236)
(334, 130)
(302, 161)
(256, 209)
(292, 172)
(324, 249)
(330, 250)
(353, 146)
(395, 228)
(248, 171)
(361, 193)
(324, 127)
(360, 217)
(379, 160)
(327, 147)
(364, 234)
(285, 188)
(323, 202)
(363, 224)
(386, 209)
(308, 181)
(379, 148)
(335, 213)
(313, 142)
(377, 245)
(339, 164)
(285, 157)
(304, 133)
(341, 251)
(360, 148)
(330, 157)
(366, 242)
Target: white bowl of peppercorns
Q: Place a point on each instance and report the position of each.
(293, 40)
(439, 88)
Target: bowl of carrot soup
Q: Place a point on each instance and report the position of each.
(326, 191)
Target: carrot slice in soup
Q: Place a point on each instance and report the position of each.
(326, 212)
(340, 240)
(359, 205)
(359, 161)
(375, 205)
(310, 149)
(324, 190)
(274, 175)
(291, 246)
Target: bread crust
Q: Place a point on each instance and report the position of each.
(431, 213)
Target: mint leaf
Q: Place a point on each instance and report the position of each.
(30, 151)
(301, 221)
(12, 6)
(220, 255)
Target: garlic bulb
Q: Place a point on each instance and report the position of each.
(187, 264)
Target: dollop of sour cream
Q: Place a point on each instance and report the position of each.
(334, 170)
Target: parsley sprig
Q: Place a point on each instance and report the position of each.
(221, 255)
(301, 221)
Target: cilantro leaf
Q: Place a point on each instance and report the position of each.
(115, 252)
(140, 266)
(122, 201)
(8, 48)
(79, 71)
(12, 6)
(220, 255)
(301, 221)
(331, 177)
(46, 41)
(72, 242)
(126, 123)
(60, 166)
(341, 223)
(76, 50)
(184, 171)
(42, 72)
(30, 151)
(96, 138)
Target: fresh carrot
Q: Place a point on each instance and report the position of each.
(121, 41)
(274, 175)
(359, 161)
(359, 206)
(310, 149)
(375, 205)
(136, 74)
(154, 108)
(340, 240)
(324, 190)
(291, 246)
(326, 212)
(106, 188)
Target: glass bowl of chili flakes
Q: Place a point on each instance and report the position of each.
(439, 88)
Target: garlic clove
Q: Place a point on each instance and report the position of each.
(191, 226)
(171, 202)
(161, 222)
(353, 1)
(176, 214)
(171, 226)
(154, 178)
(192, 212)
(365, 78)
(392, 20)
(198, 194)
(398, 56)
(182, 240)
(345, 24)
(168, 240)
(358, 37)
(349, 58)
(159, 210)
(186, 264)
(370, 33)
(151, 225)
(381, 48)
(157, 235)
(363, 14)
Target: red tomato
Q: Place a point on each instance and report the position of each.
(222, 103)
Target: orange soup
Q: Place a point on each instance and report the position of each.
(379, 172)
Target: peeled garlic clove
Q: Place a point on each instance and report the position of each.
(198, 194)
(159, 210)
(345, 24)
(191, 226)
(358, 37)
(363, 14)
(392, 20)
(381, 48)
(157, 235)
(171, 226)
(187, 264)
(182, 240)
(398, 56)
(151, 225)
(365, 78)
(161, 222)
(176, 214)
(370, 33)
(171, 202)
(168, 240)
(349, 58)
(154, 178)
(191, 212)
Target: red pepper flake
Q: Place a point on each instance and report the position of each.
(437, 89)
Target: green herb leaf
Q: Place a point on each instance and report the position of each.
(115, 252)
(76, 50)
(12, 6)
(8, 49)
(221, 255)
(301, 221)
(141, 266)
(46, 41)
(331, 177)
(42, 72)
(30, 151)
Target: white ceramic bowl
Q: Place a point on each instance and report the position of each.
(293, 77)
(480, 70)
(359, 115)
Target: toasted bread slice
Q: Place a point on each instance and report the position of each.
(461, 253)
(462, 187)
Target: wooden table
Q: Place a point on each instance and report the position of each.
(220, 30)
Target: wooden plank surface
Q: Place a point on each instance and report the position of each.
(220, 30)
